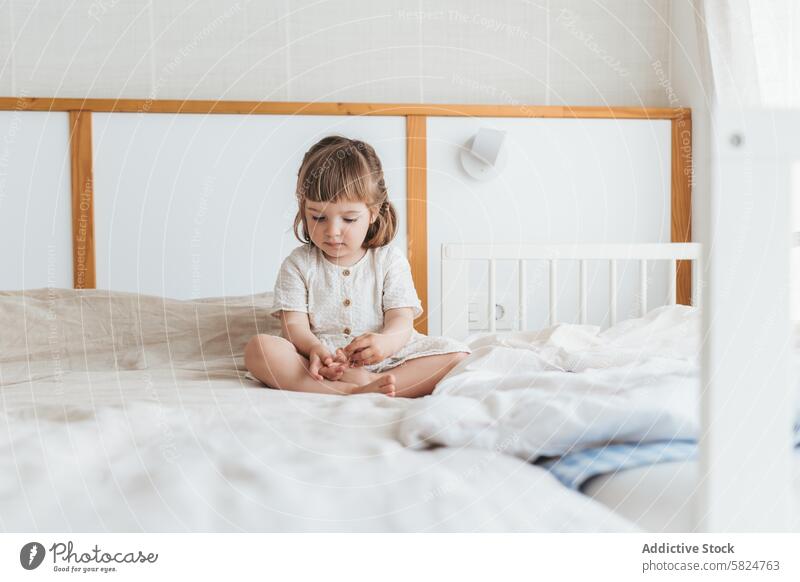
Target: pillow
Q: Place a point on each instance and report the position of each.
(94, 329)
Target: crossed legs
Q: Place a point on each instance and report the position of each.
(276, 362)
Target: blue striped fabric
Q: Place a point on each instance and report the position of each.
(574, 469)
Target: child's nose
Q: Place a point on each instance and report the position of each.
(333, 228)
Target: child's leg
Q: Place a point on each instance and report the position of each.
(276, 362)
(418, 377)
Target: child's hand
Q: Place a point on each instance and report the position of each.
(369, 348)
(341, 357)
(320, 360)
(333, 371)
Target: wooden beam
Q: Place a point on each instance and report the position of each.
(334, 108)
(82, 184)
(681, 199)
(83, 255)
(417, 210)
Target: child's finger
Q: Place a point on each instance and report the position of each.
(364, 356)
(355, 345)
(353, 358)
(331, 372)
(349, 347)
(313, 369)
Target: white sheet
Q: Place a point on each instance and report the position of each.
(159, 431)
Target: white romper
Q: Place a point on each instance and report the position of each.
(344, 302)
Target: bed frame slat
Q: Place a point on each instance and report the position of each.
(643, 287)
(584, 314)
(492, 295)
(673, 282)
(455, 276)
(553, 292)
(612, 291)
(523, 297)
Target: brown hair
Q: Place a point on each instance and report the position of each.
(340, 169)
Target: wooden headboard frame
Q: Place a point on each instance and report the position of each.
(80, 119)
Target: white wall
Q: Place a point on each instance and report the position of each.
(616, 52)
(526, 51)
(35, 200)
(566, 181)
(193, 206)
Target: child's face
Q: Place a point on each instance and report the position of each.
(338, 228)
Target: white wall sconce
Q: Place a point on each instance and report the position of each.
(483, 157)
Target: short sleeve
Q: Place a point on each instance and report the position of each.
(291, 291)
(398, 286)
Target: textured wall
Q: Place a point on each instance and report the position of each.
(520, 51)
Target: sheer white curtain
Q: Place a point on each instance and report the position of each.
(752, 56)
(752, 51)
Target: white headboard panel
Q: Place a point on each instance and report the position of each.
(202, 205)
(566, 181)
(35, 216)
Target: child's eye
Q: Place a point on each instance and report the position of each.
(321, 218)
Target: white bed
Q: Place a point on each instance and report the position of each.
(658, 497)
(125, 412)
(570, 390)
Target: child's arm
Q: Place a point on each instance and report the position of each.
(398, 324)
(371, 348)
(296, 329)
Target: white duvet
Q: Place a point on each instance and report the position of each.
(567, 387)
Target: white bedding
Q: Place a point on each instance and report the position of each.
(568, 387)
(131, 413)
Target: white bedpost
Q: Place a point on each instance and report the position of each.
(747, 399)
(553, 292)
(492, 314)
(455, 294)
(583, 305)
(612, 291)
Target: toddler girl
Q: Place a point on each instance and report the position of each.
(345, 298)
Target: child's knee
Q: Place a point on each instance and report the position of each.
(256, 350)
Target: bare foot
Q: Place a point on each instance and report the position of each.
(358, 376)
(383, 384)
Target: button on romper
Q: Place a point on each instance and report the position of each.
(344, 302)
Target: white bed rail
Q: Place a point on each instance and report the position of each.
(748, 405)
(455, 276)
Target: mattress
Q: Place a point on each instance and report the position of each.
(658, 497)
(127, 413)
